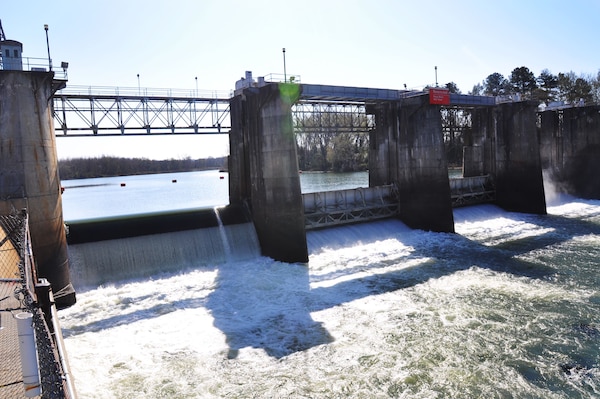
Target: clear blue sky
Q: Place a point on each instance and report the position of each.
(376, 43)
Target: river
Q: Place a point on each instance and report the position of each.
(507, 308)
(125, 195)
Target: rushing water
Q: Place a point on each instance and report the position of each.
(507, 308)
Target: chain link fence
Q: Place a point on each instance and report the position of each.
(17, 273)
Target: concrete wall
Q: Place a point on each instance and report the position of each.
(519, 181)
(570, 149)
(407, 149)
(503, 143)
(479, 143)
(29, 172)
(264, 169)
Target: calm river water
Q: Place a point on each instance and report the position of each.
(507, 308)
(124, 195)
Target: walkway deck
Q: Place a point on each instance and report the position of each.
(17, 295)
(11, 377)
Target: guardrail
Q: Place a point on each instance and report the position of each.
(144, 92)
(35, 65)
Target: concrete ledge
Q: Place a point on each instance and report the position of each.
(101, 229)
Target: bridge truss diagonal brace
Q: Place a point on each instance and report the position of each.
(80, 115)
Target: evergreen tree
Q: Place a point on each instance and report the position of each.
(522, 81)
(495, 85)
(547, 87)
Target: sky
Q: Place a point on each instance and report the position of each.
(375, 43)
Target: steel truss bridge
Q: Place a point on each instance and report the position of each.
(110, 111)
(105, 111)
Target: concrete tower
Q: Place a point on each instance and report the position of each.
(29, 172)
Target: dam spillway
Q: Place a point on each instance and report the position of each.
(107, 250)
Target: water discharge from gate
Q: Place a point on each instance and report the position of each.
(223, 234)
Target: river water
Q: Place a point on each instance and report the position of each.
(507, 308)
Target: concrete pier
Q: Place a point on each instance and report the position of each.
(570, 149)
(263, 169)
(407, 149)
(519, 180)
(503, 143)
(29, 172)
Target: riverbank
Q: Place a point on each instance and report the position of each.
(89, 168)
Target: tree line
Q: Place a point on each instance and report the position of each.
(85, 168)
(546, 88)
(334, 140)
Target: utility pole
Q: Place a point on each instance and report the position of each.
(48, 47)
(284, 72)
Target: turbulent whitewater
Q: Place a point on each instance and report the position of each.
(507, 308)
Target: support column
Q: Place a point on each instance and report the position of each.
(409, 151)
(478, 154)
(519, 182)
(29, 172)
(383, 157)
(571, 149)
(264, 169)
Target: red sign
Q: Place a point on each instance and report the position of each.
(439, 96)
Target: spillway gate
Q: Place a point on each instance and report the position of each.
(331, 208)
(472, 190)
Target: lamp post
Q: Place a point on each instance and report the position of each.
(436, 83)
(139, 91)
(196, 85)
(48, 47)
(284, 72)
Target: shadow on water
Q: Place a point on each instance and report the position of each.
(270, 306)
(267, 305)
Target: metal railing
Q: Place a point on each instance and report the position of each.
(109, 110)
(17, 269)
(33, 64)
(146, 92)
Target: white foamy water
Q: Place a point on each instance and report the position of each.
(507, 308)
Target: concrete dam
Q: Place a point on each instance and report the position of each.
(505, 152)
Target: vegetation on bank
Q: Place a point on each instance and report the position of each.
(85, 168)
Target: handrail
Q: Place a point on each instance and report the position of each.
(35, 64)
(143, 92)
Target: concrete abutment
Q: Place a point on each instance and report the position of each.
(29, 172)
